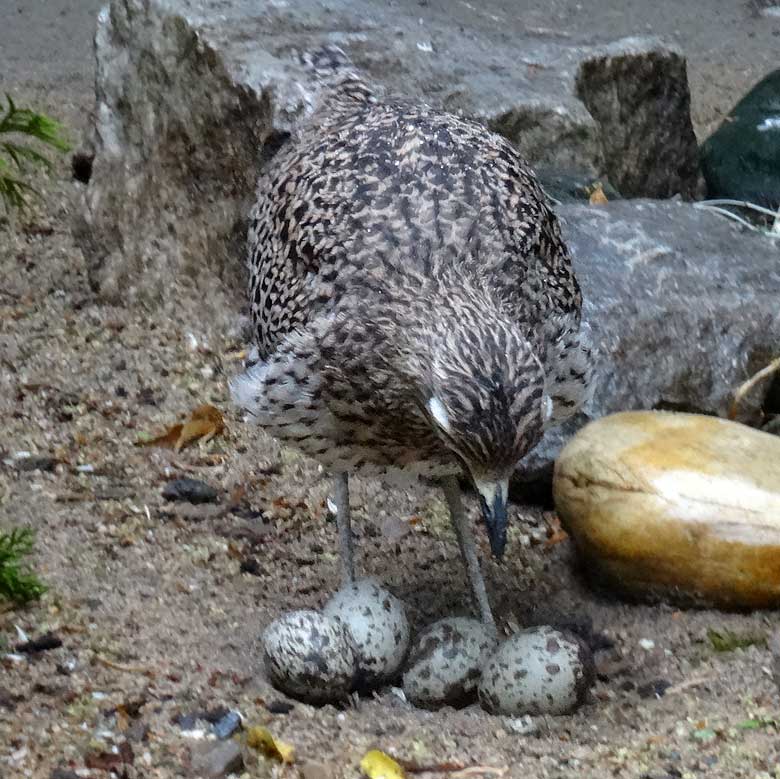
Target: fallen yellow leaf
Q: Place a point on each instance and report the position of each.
(204, 423)
(167, 439)
(260, 738)
(597, 196)
(378, 765)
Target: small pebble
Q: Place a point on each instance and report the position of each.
(46, 464)
(137, 732)
(63, 773)
(219, 760)
(311, 769)
(190, 490)
(647, 644)
(279, 707)
(654, 689)
(521, 726)
(226, 726)
(190, 720)
(251, 566)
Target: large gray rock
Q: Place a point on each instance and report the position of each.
(191, 94)
(683, 305)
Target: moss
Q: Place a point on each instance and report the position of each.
(727, 641)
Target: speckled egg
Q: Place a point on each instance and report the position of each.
(310, 656)
(376, 619)
(446, 662)
(537, 671)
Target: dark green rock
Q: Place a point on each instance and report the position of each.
(741, 159)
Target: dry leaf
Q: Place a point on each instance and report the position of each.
(260, 738)
(597, 196)
(556, 533)
(378, 765)
(122, 720)
(167, 439)
(204, 423)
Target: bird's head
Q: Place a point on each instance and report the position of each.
(486, 401)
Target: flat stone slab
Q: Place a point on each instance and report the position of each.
(192, 94)
(683, 304)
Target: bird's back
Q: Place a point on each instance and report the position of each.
(378, 189)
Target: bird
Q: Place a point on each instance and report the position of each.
(414, 306)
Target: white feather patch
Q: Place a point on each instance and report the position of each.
(247, 390)
(439, 413)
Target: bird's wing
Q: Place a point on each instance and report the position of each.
(386, 189)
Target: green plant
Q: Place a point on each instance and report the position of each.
(17, 582)
(727, 641)
(19, 126)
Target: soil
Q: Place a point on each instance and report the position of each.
(159, 605)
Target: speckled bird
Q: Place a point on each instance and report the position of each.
(413, 303)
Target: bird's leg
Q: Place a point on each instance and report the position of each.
(468, 549)
(345, 528)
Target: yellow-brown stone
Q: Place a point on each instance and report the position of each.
(675, 506)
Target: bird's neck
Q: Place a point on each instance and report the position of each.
(463, 327)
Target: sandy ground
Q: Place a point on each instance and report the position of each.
(159, 606)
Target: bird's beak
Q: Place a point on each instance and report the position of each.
(493, 496)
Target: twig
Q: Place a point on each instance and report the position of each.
(423, 768)
(476, 770)
(686, 685)
(738, 204)
(743, 389)
(456, 770)
(186, 467)
(729, 214)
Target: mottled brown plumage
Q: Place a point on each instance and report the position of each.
(413, 302)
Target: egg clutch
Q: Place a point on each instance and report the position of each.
(361, 641)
